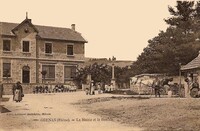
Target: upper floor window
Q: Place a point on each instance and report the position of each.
(6, 45)
(48, 48)
(26, 46)
(6, 69)
(70, 50)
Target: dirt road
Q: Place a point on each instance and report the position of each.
(55, 112)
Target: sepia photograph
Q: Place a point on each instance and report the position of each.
(100, 65)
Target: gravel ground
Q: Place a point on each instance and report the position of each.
(54, 112)
(149, 114)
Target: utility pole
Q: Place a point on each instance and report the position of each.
(179, 79)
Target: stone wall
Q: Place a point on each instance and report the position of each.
(16, 70)
(16, 43)
(27, 88)
(60, 51)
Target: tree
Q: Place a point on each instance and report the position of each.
(44, 72)
(103, 73)
(98, 72)
(178, 44)
(122, 76)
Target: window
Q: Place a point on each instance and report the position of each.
(50, 71)
(48, 48)
(26, 46)
(70, 50)
(70, 72)
(6, 45)
(6, 69)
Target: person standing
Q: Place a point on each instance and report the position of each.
(188, 85)
(1, 89)
(156, 86)
(99, 88)
(17, 92)
(92, 89)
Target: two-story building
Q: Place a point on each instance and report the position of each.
(27, 49)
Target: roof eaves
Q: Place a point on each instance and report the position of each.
(189, 68)
(45, 38)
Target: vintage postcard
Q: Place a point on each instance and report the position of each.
(74, 65)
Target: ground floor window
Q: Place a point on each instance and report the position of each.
(50, 71)
(6, 69)
(70, 72)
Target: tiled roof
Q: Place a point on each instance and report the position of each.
(195, 63)
(46, 32)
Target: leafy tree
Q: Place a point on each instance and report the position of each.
(178, 44)
(122, 76)
(103, 73)
(98, 72)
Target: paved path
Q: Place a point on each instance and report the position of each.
(54, 112)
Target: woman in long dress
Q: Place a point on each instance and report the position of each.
(17, 92)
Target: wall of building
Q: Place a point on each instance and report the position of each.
(27, 88)
(16, 70)
(16, 43)
(60, 50)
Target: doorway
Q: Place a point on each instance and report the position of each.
(26, 74)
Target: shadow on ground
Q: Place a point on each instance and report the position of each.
(3, 109)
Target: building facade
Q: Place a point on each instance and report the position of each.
(27, 50)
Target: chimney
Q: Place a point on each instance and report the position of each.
(73, 26)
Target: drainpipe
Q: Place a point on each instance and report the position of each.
(37, 59)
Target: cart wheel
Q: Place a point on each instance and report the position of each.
(194, 92)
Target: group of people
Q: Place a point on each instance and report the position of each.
(53, 88)
(192, 86)
(159, 84)
(90, 90)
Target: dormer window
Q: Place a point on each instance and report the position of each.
(26, 46)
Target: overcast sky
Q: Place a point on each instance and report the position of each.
(119, 28)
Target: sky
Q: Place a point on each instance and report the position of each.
(119, 28)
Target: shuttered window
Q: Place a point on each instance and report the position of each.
(50, 71)
(70, 72)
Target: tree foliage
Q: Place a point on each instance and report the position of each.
(98, 72)
(178, 44)
(103, 73)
